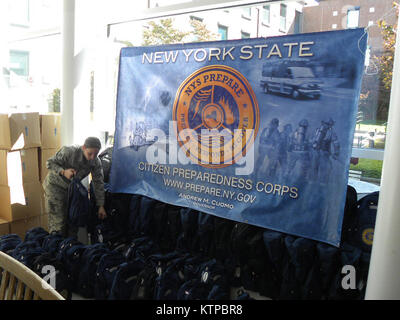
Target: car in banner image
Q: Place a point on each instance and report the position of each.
(295, 81)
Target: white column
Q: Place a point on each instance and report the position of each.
(384, 272)
(4, 55)
(67, 84)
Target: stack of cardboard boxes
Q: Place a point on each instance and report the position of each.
(51, 143)
(4, 144)
(21, 192)
(20, 189)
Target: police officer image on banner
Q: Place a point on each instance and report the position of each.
(72, 162)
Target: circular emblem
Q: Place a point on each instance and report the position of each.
(368, 236)
(216, 116)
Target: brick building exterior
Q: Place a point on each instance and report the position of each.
(332, 15)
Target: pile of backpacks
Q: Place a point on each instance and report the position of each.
(147, 249)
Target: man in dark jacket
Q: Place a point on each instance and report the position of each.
(68, 162)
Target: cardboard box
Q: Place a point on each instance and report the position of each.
(5, 203)
(23, 165)
(20, 201)
(5, 139)
(20, 227)
(25, 130)
(50, 130)
(44, 155)
(17, 166)
(4, 227)
(3, 167)
(44, 222)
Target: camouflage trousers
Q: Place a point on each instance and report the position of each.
(56, 205)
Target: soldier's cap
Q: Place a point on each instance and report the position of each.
(92, 142)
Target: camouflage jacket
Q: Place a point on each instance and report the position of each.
(73, 157)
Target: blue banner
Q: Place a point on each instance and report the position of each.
(257, 130)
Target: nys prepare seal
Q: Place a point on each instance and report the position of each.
(216, 116)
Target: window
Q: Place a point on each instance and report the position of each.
(196, 18)
(19, 12)
(266, 14)
(283, 10)
(370, 132)
(298, 21)
(223, 32)
(353, 16)
(246, 13)
(19, 62)
(245, 35)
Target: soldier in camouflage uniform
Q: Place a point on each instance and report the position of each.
(78, 162)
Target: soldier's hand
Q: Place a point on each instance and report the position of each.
(102, 213)
(69, 173)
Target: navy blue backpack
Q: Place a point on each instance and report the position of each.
(89, 261)
(69, 254)
(210, 283)
(171, 279)
(364, 223)
(36, 234)
(134, 210)
(63, 279)
(328, 263)
(78, 204)
(9, 242)
(51, 243)
(290, 287)
(27, 251)
(105, 274)
(275, 247)
(205, 234)
(187, 239)
(349, 255)
(250, 255)
(156, 264)
(125, 279)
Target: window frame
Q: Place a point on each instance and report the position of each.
(264, 10)
(354, 9)
(223, 27)
(283, 19)
(27, 55)
(246, 15)
(244, 33)
(204, 6)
